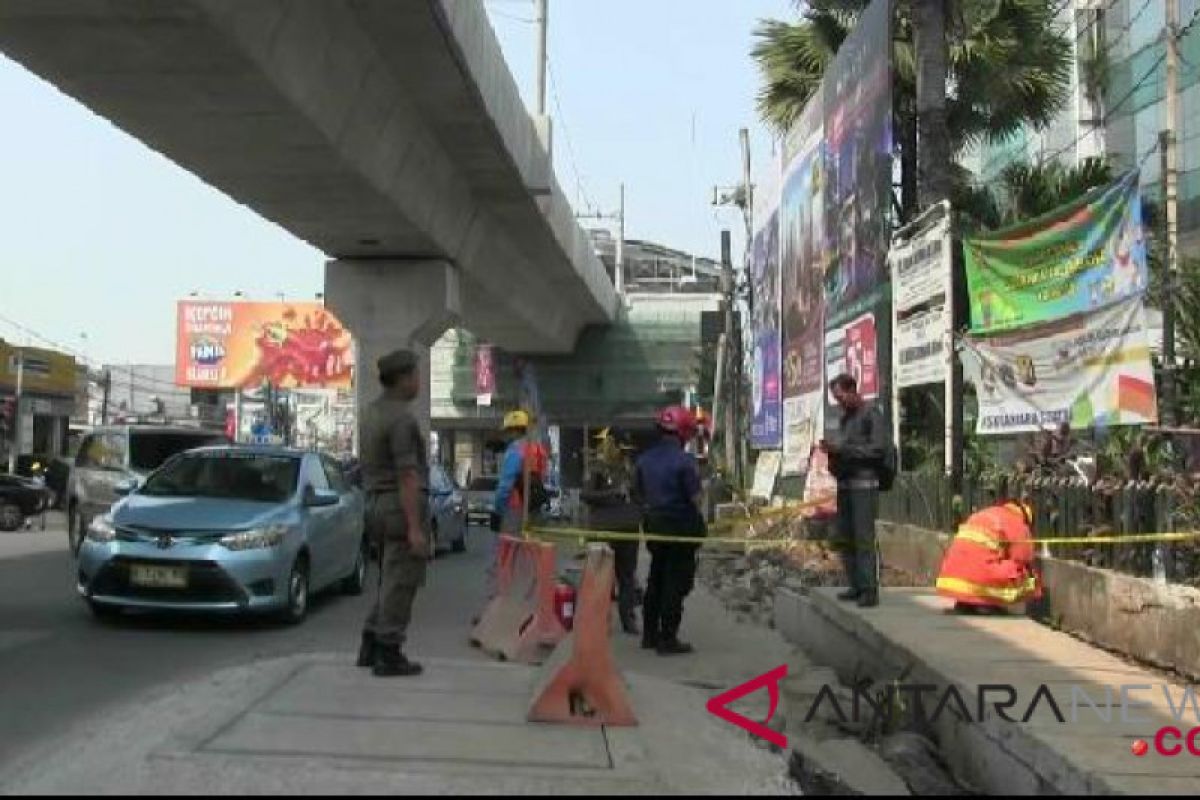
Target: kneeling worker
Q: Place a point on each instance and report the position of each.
(667, 483)
(989, 565)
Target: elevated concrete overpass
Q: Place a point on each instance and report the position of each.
(388, 134)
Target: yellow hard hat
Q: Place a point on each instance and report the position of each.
(602, 435)
(516, 419)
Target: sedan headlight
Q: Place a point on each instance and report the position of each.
(101, 530)
(256, 539)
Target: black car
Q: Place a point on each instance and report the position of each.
(20, 498)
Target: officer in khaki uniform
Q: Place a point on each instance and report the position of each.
(395, 470)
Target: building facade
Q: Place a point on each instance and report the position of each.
(659, 351)
(1117, 106)
(38, 397)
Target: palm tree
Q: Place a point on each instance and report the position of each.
(1008, 65)
(1024, 191)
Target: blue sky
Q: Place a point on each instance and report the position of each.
(100, 235)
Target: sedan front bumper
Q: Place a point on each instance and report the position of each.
(217, 580)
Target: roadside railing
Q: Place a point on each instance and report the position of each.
(1068, 508)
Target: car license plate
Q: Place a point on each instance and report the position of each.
(159, 577)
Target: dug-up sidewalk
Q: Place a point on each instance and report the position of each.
(315, 724)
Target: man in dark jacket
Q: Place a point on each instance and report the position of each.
(610, 508)
(857, 449)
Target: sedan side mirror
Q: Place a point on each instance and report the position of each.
(320, 498)
(126, 487)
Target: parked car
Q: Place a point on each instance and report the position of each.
(20, 498)
(112, 456)
(481, 494)
(227, 529)
(448, 509)
(54, 470)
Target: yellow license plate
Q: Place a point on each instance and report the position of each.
(159, 577)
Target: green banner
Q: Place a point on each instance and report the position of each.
(1076, 259)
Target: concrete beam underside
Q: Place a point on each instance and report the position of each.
(367, 128)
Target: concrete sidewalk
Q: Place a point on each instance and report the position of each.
(1089, 752)
(313, 723)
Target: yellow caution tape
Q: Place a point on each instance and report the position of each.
(583, 534)
(1131, 538)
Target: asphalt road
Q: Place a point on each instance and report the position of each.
(61, 668)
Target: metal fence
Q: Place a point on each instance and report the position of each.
(1067, 508)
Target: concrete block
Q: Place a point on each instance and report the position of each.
(843, 762)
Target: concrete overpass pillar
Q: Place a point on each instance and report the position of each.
(390, 304)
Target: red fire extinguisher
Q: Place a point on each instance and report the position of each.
(564, 604)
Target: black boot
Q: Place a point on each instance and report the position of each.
(674, 647)
(869, 598)
(649, 640)
(391, 663)
(366, 652)
(849, 596)
(629, 623)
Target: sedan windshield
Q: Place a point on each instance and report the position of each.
(148, 451)
(233, 476)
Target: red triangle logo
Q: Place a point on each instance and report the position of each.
(719, 706)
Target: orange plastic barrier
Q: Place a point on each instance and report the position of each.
(580, 685)
(519, 623)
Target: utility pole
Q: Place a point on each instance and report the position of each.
(107, 386)
(731, 375)
(17, 421)
(619, 218)
(621, 245)
(1170, 170)
(742, 197)
(543, 24)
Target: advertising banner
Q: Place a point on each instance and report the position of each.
(804, 258)
(804, 417)
(853, 349)
(858, 141)
(485, 374)
(835, 232)
(222, 345)
(920, 269)
(766, 425)
(1090, 370)
(1079, 258)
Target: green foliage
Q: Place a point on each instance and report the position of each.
(1009, 64)
(1023, 191)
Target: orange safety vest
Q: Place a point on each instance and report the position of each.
(990, 561)
(538, 465)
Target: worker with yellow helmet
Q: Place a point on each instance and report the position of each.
(509, 506)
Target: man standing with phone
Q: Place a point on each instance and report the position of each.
(858, 453)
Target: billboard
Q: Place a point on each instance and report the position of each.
(42, 371)
(805, 255)
(766, 423)
(836, 230)
(1074, 260)
(1091, 370)
(858, 201)
(225, 345)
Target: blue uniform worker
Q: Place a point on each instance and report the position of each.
(667, 483)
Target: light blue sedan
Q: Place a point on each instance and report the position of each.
(228, 529)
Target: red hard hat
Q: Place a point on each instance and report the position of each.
(677, 420)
